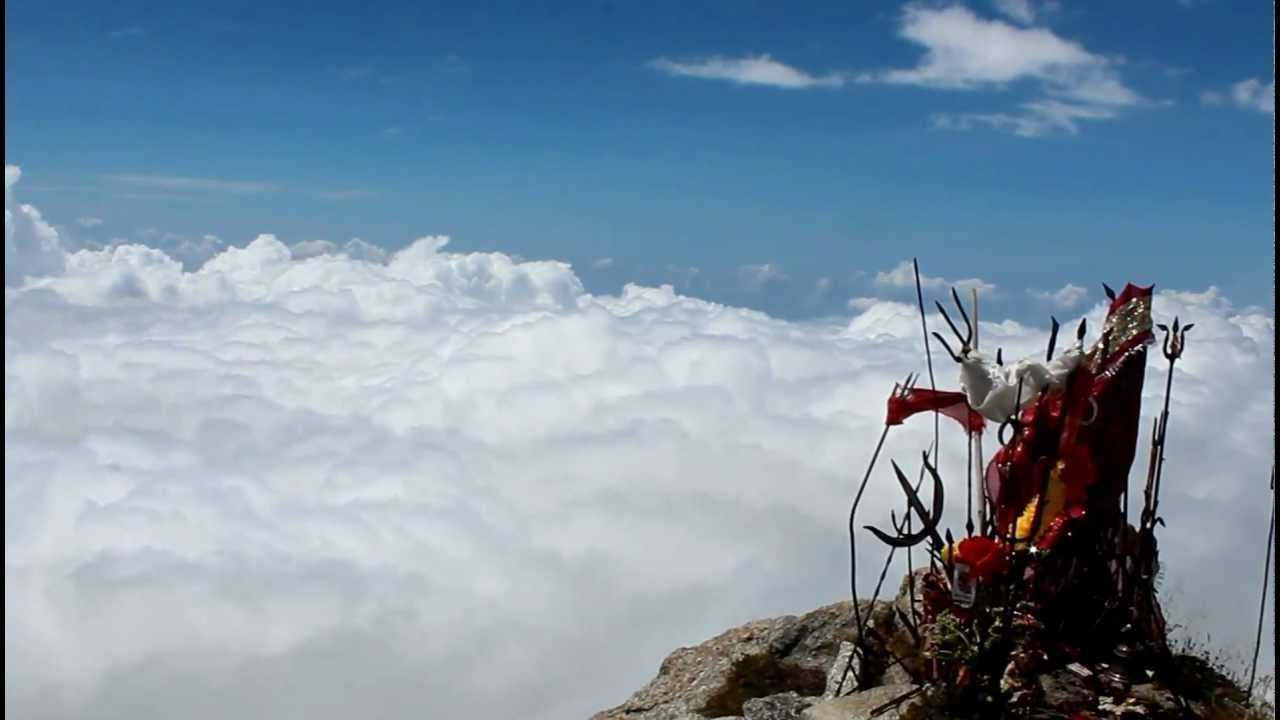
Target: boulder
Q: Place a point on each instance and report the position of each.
(783, 706)
(859, 705)
(756, 660)
(1065, 691)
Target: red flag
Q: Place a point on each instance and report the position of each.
(954, 405)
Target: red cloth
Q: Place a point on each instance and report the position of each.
(952, 404)
(1097, 455)
(1130, 292)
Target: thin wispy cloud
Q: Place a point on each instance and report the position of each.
(1026, 12)
(1067, 297)
(821, 289)
(173, 182)
(965, 52)
(903, 276)
(752, 70)
(127, 32)
(149, 196)
(1254, 95)
(1032, 119)
(89, 222)
(1250, 94)
(753, 278)
(863, 303)
(684, 275)
(348, 194)
(63, 189)
(603, 263)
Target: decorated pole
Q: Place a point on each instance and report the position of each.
(1174, 343)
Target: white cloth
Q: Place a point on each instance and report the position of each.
(993, 390)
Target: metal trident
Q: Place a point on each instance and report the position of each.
(929, 519)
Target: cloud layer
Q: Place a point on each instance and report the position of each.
(457, 485)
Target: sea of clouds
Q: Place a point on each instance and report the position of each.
(293, 485)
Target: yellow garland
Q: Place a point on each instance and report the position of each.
(1053, 505)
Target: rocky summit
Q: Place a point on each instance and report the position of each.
(790, 668)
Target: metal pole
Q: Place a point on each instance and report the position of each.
(853, 542)
(1266, 577)
(981, 498)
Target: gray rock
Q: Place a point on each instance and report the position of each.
(1065, 691)
(859, 705)
(1158, 699)
(761, 658)
(837, 672)
(783, 706)
(896, 675)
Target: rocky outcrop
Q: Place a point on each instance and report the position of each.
(765, 658)
(788, 668)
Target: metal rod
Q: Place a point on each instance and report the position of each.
(875, 594)
(975, 439)
(1266, 577)
(1164, 433)
(968, 461)
(911, 570)
(928, 353)
(937, 418)
(853, 510)
(859, 636)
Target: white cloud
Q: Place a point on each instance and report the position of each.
(355, 248)
(1249, 94)
(192, 251)
(903, 276)
(170, 182)
(1034, 119)
(1065, 298)
(964, 51)
(821, 289)
(278, 487)
(89, 222)
(1025, 12)
(31, 245)
(602, 263)
(967, 52)
(862, 304)
(1254, 95)
(751, 70)
(753, 278)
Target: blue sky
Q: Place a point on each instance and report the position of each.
(793, 153)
